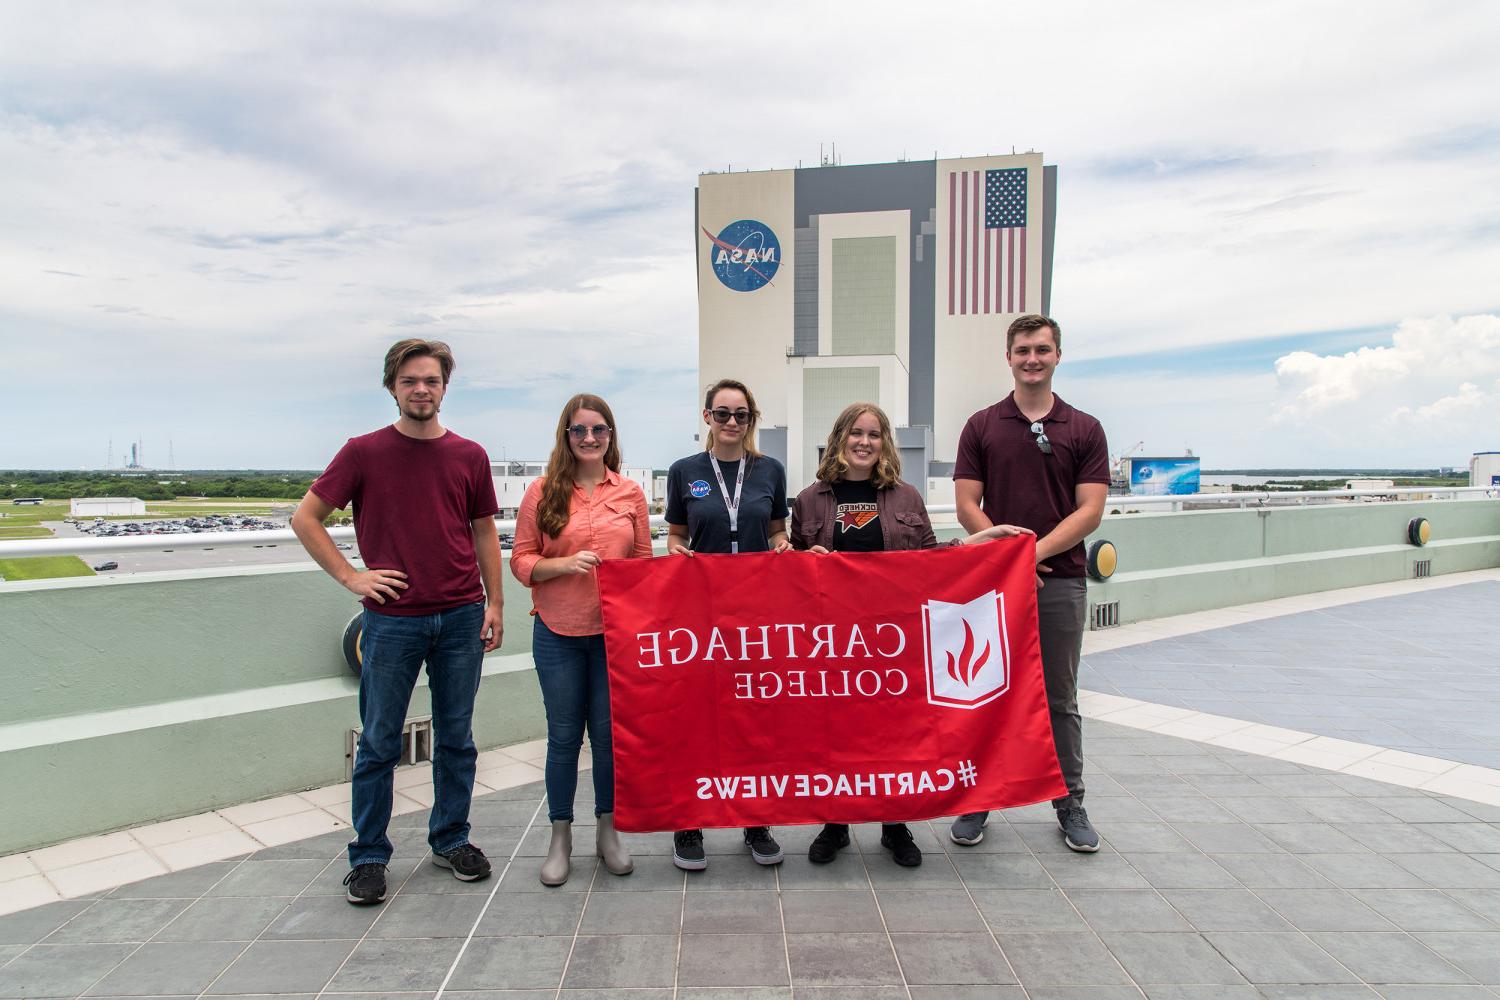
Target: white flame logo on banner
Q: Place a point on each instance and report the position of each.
(967, 651)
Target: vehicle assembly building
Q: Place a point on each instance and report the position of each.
(891, 283)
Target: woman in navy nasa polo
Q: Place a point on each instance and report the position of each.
(727, 499)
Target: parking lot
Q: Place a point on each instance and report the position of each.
(184, 552)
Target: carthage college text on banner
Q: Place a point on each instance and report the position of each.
(801, 688)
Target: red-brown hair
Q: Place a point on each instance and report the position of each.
(557, 482)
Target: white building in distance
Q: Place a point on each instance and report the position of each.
(512, 479)
(890, 283)
(106, 506)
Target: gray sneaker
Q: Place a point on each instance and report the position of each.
(968, 829)
(1078, 833)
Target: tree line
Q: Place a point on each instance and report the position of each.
(54, 485)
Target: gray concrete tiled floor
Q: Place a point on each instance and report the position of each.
(1415, 672)
(1223, 875)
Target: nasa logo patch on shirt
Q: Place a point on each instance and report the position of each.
(699, 488)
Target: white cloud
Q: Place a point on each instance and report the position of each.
(1420, 391)
(1424, 355)
(226, 206)
(1329, 381)
(1468, 399)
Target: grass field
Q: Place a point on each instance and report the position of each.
(219, 505)
(44, 568)
(23, 531)
(26, 522)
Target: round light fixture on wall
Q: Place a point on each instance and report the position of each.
(1102, 559)
(1418, 531)
(353, 654)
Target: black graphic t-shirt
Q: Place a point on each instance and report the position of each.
(856, 526)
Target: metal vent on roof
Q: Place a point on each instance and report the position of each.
(416, 744)
(1105, 614)
(1421, 568)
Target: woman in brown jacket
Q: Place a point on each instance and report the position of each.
(860, 504)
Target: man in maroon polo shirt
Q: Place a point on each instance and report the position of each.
(1033, 460)
(424, 514)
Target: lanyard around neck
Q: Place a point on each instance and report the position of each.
(732, 506)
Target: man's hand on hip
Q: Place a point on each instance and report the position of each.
(377, 584)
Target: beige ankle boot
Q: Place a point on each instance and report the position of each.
(559, 862)
(616, 857)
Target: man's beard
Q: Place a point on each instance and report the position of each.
(419, 417)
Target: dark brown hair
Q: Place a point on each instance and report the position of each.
(403, 351)
(557, 482)
(1029, 322)
(708, 404)
(833, 468)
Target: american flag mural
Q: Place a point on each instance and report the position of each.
(987, 241)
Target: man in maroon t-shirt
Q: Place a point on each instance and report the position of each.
(1033, 460)
(424, 514)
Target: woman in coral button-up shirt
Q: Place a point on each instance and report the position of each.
(579, 513)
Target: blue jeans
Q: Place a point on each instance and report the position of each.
(575, 690)
(393, 648)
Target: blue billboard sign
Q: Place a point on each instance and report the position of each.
(1164, 476)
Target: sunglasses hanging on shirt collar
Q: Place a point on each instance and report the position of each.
(1041, 437)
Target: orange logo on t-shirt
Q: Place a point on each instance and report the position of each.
(853, 516)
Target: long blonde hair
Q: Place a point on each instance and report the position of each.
(557, 482)
(708, 404)
(833, 468)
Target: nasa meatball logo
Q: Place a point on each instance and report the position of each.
(745, 255)
(699, 489)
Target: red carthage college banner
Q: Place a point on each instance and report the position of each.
(797, 688)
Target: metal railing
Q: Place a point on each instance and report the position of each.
(23, 548)
(1298, 498)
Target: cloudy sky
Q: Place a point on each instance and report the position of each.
(1278, 238)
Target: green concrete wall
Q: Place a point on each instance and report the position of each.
(1176, 563)
(75, 787)
(141, 698)
(103, 645)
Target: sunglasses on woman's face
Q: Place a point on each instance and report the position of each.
(580, 432)
(723, 414)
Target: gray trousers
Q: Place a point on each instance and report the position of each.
(1062, 605)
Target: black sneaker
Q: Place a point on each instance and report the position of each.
(896, 838)
(366, 884)
(467, 861)
(1078, 833)
(687, 850)
(763, 846)
(825, 846)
